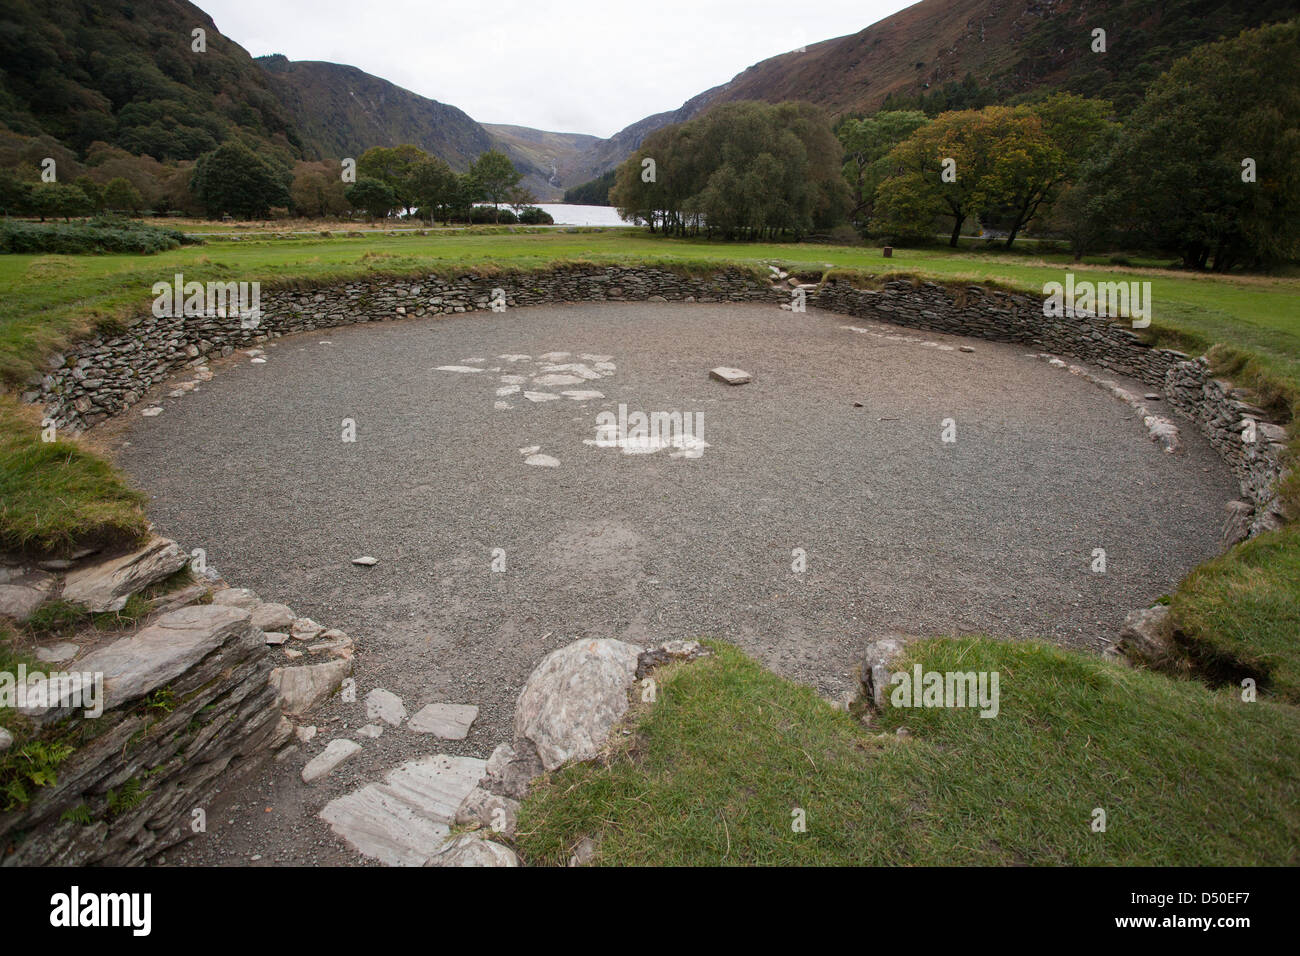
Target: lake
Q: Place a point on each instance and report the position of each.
(571, 214)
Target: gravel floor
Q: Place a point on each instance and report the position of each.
(993, 533)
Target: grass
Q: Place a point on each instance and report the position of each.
(1243, 608)
(715, 769)
(57, 496)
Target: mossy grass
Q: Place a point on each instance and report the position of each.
(717, 771)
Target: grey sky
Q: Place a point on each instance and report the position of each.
(578, 66)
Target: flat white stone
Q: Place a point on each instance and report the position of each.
(436, 786)
(366, 561)
(530, 450)
(448, 721)
(502, 406)
(379, 825)
(305, 735)
(457, 368)
(540, 396)
(582, 394)
(553, 381)
(505, 390)
(386, 706)
(335, 752)
(371, 731)
(542, 461)
(152, 411)
(732, 376)
(275, 638)
(515, 358)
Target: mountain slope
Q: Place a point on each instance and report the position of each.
(1009, 48)
(549, 154)
(126, 74)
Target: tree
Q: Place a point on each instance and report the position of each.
(94, 192)
(121, 196)
(233, 179)
(947, 166)
(394, 167)
(60, 199)
(744, 170)
(433, 187)
(520, 198)
(1209, 164)
(372, 196)
(496, 176)
(318, 191)
(866, 143)
(15, 193)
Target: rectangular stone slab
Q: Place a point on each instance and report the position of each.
(448, 721)
(732, 376)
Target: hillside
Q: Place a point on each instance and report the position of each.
(125, 74)
(958, 53)
(342, 111)
(551, 154)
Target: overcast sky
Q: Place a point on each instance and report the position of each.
(576, 66)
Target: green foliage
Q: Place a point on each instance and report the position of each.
(29, 767)
(127, 798)
(372, 196)
(742, 170)
(233, 179)
(125, 74)
(866, 143)
(495, 176)
(1007, 163)
(78, 814)
(1174, 180)
(594, 192)
(95, 236)
(121, 196)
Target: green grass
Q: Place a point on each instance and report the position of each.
(1243, 608)
(1187, 776)
(57, 496)
(44, 299)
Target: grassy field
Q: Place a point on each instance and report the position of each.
(717, 768)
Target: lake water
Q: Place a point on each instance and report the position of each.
(570, 214)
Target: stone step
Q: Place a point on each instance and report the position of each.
(406, 820)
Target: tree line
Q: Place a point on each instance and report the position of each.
(1206, 167)
(234, 179)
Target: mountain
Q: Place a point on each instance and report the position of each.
(126, 74)
(941, 54)
(550, 154)
(342, 111)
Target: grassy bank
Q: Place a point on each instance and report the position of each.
(715, 770)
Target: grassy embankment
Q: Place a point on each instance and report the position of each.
(1194, 775)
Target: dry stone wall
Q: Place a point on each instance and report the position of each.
(107, 374)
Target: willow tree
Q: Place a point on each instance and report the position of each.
(742, 171)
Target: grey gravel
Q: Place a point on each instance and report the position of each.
(994, 533)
